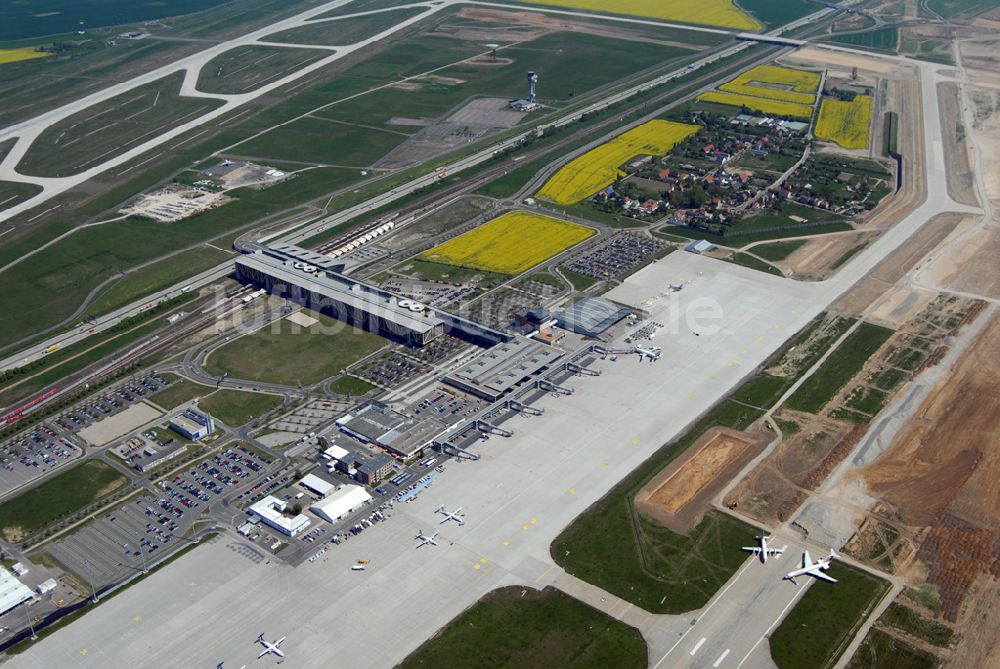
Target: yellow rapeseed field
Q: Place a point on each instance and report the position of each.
(25, 53)
(509, 244)
(589, 173)
(776, 83)
(762, 105)
(845, 123)
(706, 12)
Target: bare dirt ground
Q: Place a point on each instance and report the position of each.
(981, 647)
(779, 485)
(896, 265)
(817, 258)
(942, 473)
(985, 106)
(815, 445)
(900, 304)
(834, 59)
(961, 185)
(679, 495)
(970, 265)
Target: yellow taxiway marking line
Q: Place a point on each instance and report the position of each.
(746, 350)
(525, 527)
(477, 566)
(635, 440)
(534, 521)
(505, 543)
(484, 560)
(690, 397)
(572, 491)
(83, 651)
(138, 619)
(759, 339)
(604, 464)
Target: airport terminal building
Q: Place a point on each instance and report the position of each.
(316, 281)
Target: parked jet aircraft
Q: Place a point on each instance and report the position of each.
(450, 515)
(813, 568)
(653, 353)
(270, 647)
(763, 551)
(424, 539)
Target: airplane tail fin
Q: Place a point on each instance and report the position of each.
(833, 554)
(261, 637)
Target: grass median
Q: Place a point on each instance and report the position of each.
(58, 497)
(519, 627)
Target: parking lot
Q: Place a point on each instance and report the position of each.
(615, 256)
(29, 455)
(116, 544)
(390, 369)
(447, 405)
(307, 417)
(111, 401)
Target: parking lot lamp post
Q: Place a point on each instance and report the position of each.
(142, 554)
(90, 580)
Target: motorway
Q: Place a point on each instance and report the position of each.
(207, 277)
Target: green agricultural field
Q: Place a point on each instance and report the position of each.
(247, 68)
(818, 628)
(519, 627)
(178, 392)
(773, 14)
(157, 276)
(883, 39)
(344, 31)
(883, 651)
(846, 361)
(235, 408)
(111, 128)
(290, 354)
(57, 497)
(778, 250)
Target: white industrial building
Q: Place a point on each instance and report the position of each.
(314, 483)
(46, 586)
(12, 592)
(271, 511)
(345, 500)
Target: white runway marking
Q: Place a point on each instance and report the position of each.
(697, 646)
(721, 658)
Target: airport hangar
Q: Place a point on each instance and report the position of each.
(318, 282)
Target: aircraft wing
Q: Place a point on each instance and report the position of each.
(776, 551)
(819, 574)
(752, 549)
(264, 653)
(280, 641)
